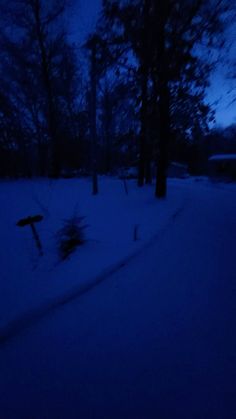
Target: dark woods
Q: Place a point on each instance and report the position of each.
(39, 89)
(140, 100)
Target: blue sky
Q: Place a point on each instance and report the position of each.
(222, 91)
(84, 17)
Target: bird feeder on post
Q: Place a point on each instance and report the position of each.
(30, 221)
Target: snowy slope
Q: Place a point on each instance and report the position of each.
(155, 340)
(29, 282)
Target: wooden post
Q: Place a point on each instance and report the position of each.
(136, 232)
(37, 239)
(30, 221)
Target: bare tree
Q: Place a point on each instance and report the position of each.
(43, 70)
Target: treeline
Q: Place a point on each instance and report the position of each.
(139, 101)
(39, 91)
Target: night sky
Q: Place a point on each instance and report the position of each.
(222, 90)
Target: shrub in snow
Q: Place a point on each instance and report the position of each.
(70, 236)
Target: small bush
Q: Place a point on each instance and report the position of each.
(70, 236)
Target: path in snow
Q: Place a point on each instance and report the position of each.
(156, 340)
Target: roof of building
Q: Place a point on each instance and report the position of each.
(222, 157)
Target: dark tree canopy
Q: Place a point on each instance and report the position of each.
(166, 43)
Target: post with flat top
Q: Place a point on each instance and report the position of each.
(31, 220)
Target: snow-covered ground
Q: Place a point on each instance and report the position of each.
(32, 283)
(157, 338)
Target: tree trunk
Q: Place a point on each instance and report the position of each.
(164, 102)
(52, 127)
(143, 133)
(148, 171)
(107, 129)
(144, 70)
(93, 121)
(164, 139)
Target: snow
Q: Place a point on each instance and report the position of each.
(157, 338)
(181, 165)
(30, 283)
(217, 157)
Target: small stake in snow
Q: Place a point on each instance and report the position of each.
(30, 221)
(136, 232)
(126, 187)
